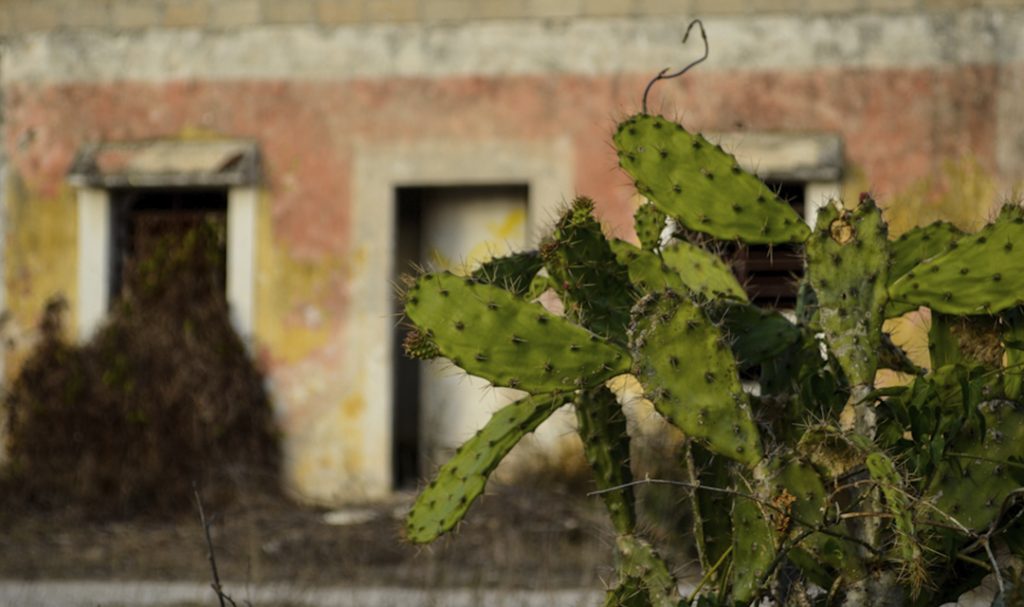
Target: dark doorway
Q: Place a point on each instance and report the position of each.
(433, 226)
(147, 218)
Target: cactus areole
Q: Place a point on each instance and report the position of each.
(859, 494)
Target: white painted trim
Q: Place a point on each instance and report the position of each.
(503, 48)
(545, 167)
(95, 244)
(241, 258)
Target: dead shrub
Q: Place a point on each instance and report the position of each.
(164, 395)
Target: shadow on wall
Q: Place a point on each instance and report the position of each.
(163, 396)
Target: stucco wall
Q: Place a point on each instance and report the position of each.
(334, 107)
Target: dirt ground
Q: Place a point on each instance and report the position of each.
(525, 538)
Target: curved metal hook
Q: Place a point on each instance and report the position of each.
(663, 75)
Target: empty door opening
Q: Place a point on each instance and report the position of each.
(444, 228)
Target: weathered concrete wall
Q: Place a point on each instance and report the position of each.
(342, 114)
(35, 15)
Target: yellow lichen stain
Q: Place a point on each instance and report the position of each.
(963, 193)
(295, 302)
(353, 407)
(40, 261)
(494, 242)
(198, 133)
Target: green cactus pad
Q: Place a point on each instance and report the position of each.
(847, 265)
(920, 244)
(982, 273)
(914, 247)
(602, 426)
(755, 334)
(800, 480)
(976, 476)
(711, 510)
(1013, 345)
(702, 186)
(753, 550)
(594, 287)
(649, 222)
(644, 578)
(491, 333)
(460, 481)
(689, 374)
(683, 267)
(897, 502)
(513, 273)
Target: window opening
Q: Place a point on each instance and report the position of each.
(147, 218)
(771, 275)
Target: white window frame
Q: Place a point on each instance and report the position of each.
(95, 258)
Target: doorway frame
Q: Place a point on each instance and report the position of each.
(545, 167)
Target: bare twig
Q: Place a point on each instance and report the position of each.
(995, 567)
(767, 504)
(217, 588)
(664, 75)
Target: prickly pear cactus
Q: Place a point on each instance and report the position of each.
(808, 473)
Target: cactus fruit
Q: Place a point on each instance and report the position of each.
(980, 273)
(690, 376)
(650, 222)
(513, 273)
(460, 481)
(979, 473)
(494, 335)
(602, 426)
(701, 186)
(847, 264)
